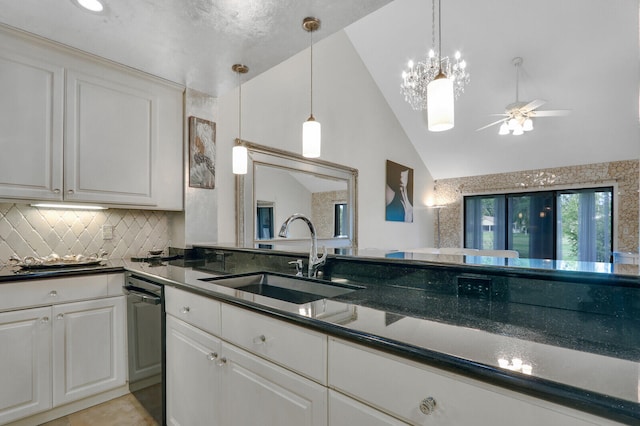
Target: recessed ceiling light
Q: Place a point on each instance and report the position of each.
(92, 5)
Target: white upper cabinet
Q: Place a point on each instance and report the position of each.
(31, 111)
(81, 129)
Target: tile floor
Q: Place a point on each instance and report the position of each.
(123, 411)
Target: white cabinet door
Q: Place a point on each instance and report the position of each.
(344, 411)
(193, 375)
(31, 108)
(25, 372)
(257, 392)
(88, 348)
(111, 140)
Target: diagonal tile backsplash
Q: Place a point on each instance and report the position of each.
(31, 231)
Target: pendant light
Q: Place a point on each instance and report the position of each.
(311, 131)
(239, 152)
(440, 112)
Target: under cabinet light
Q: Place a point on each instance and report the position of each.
(68, 206)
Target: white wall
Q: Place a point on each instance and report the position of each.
(358, 130)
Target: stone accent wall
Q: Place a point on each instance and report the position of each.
(322, 207)
(623, 174)
(30, 231)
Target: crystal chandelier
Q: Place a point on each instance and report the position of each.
(417, 76)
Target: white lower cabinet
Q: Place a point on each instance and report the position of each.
(25, 369)
(213, 382)
(258, 392)
(423, 395)
(88, 348)
(345, 411)
(193, 375)
(62, 352)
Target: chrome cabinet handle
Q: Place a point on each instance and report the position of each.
(428, 405)
(222, 361)
(259, 340)
(185, 309)
(70, 192)
(53, 293)
(212, 356)
(44, 320)
(56, 191)
(60, 316)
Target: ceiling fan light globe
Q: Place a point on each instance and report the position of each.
(512, 123)
(504, 129)
(527, 126)
(518, 131)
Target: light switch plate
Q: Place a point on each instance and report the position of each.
(107, 232)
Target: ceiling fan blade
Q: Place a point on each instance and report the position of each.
(536, 103)
(499, 115)
(492, 124)
(550, 113)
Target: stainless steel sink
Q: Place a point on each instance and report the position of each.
(288, 288)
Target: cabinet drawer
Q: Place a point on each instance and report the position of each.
(296, 348)
(194, 309)
(398, 386)
(52, 291)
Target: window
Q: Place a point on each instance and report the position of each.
(563, 225)
(264, 221)
(340, 219)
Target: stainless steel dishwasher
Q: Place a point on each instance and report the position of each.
(145, 331)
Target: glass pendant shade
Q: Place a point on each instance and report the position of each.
(518, 131)
(311, 137)
(504, 129)
(440, 112)
(239, 160)
(527, 126)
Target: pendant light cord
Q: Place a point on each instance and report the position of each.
(239, 108)
(439, 37)
(311, 73)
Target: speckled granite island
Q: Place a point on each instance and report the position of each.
(568, 337)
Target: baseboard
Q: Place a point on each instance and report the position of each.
(72, 407)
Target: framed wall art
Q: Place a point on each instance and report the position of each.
(202, 153)
(399, 193)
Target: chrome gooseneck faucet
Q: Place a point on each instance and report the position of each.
(314, 261)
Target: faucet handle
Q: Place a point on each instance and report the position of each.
(299, 264)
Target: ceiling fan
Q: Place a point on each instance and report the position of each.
(517, 117)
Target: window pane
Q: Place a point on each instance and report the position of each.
(585, 224)
(485, 222)
(531, 232)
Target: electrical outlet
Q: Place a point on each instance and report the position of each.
(107, 232)
(474, 286)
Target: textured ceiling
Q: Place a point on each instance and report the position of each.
(191, 42)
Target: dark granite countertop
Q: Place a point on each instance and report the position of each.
(562, 361)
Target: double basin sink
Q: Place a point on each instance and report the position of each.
(287, 288)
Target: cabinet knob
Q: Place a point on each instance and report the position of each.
(44, 320)
(70, 192)
(222, 361)
(428, 405)
(259, 339)
(56, 191)
(53, 293)
(212, 356)
(185, 309)
(60, 316)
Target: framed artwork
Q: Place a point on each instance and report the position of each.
(202, 153)
(399, 193)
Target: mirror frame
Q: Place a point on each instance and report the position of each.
(267, 156)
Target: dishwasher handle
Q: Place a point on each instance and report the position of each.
(143, 297)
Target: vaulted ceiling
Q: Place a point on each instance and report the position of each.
(581, 55)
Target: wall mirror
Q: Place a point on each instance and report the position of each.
(279, 183)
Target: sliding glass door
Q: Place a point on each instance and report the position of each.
(564, 225)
